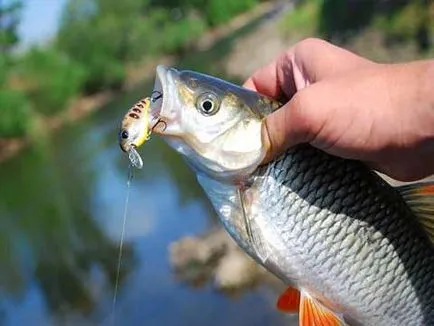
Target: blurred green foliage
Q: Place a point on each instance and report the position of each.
(303, 20)
(15, 115)
(94, 44)
(175, 35)
(213, 12)
(9, 20)
(220, 11)
(341, 20)
(415, 21)
(14, 107)
(49, 78)
(101, 35)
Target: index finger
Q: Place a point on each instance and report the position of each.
(307, 62)
(266, 80)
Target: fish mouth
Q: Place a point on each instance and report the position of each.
(162, 109)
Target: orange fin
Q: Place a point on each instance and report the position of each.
(427, 189)
(420, 198)
(313, 313)
(289, 301)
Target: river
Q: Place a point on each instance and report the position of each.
(61, 217)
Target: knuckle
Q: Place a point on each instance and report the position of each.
(309, 44)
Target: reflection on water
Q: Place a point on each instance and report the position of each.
(60, 222)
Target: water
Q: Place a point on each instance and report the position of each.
(61, 212)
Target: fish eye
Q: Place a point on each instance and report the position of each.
(207, 104)
(124, 134)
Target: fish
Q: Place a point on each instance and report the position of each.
(134, 130)
(350, 248)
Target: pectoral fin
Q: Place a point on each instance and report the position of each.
(252, 230)
(420, 198)
(289, 301)
(314, 313)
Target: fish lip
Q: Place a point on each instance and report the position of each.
(164, 79)
(159, 86)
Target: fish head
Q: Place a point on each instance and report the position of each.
(134, 129)
(214, 124)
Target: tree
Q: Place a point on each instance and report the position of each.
(9, 20)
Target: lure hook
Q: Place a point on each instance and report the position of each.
(160, 120)
(158, 95)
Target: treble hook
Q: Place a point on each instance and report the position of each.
(160, 120)
(159, 95)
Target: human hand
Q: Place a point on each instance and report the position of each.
(348, 106)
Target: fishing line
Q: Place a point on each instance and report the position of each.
(121, 243)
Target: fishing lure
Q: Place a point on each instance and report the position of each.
(135, 131)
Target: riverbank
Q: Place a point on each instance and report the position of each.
(136, 74)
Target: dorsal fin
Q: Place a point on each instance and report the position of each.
(420, 198)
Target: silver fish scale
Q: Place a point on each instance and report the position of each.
(354, 236)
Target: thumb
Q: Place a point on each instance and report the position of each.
(292, 124)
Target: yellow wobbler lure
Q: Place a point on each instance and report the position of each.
(135, 131)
